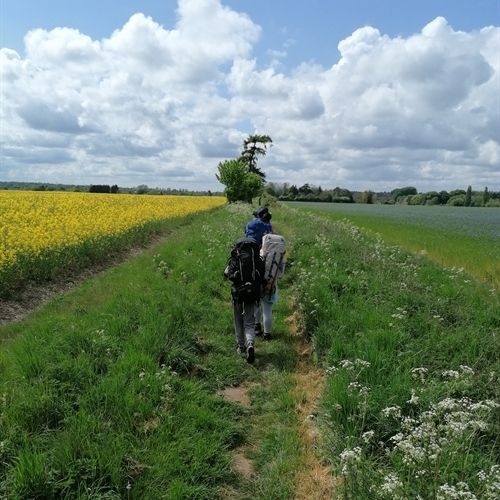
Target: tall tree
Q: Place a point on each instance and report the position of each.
(253, 147)
(241, 185)
(486, 196)
(367, 197)
(468, 197)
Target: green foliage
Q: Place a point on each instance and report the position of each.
(241, 185)
(457, 200)
(409, 347)
(253, 147)
(112, 391)
(368, 196)
(468, 197)
(444, 196)
(267, 200)
(403, 192)
(486, 196)
(493, 203)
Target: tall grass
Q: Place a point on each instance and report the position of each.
(412, 353)
(112, 391)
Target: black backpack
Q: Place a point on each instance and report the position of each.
(246, 270)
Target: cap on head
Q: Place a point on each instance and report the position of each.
(266, 217)
(261, 211)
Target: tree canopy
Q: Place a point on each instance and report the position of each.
(253, 147)
(242, 178)
(241, 185)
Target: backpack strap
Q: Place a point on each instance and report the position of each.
(253, 263)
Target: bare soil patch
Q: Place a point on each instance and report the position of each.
(34, 296)
(237, 394)
(315, 480)
(241, 464)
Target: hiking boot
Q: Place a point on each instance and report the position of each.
(241, 349)
(258, 329)
(267, 336)
(250, 353)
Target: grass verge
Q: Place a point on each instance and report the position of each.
(113, 391)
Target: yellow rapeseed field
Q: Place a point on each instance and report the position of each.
(34, 221)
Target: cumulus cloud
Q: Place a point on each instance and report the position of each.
(163, 105)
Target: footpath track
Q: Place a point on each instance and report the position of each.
(271, 443)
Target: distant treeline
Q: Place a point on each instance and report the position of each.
(408, 195)
(405, 196)
(102, 188)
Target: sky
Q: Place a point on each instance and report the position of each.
(359, 94)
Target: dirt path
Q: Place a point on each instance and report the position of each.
(314, 480)
(35, 296)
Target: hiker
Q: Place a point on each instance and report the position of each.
(266, 219)
(245, 269)
(265, 216)
(256, 228)
(273, 252)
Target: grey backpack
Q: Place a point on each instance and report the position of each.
(273, 252)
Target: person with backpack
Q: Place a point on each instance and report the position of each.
(266, 219)
(245, 269)
(256, 228)
(265, 216)
(273, 252)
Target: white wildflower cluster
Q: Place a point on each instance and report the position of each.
(460, 490)
(367, 436)
(446, 429)
(356, 387)
(346, 364)
(455, 273)
(184, 277)
(350, 460)
(164, 376)
(414, 398)
(354, 367)
(100, 335)
(323, 242)
(490, 482)
(161, 266)
(362, 362)
(464, 373)
(392, 487)
(466, 370)
(331, 370)
(103, 346)
(419, 373)
(392, 412)
(400, 314)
